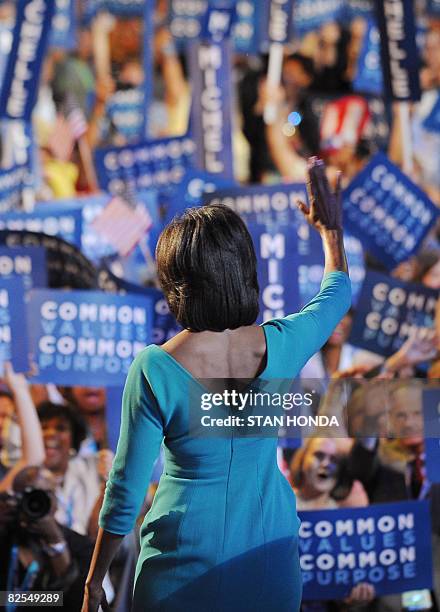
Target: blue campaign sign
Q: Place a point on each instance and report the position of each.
(125, 110)
(194, 185)
(30, 37)
(11, 186)
(211, 110)
(385, 545)
(88, 10)
(5, 46)
(400, 56)
(124, 8)
(309, 15)
(185, 18)
(311, 266)
(63, 35)
(279, 20)
(27, 262)
(262, 204)
(86, 337)
(187, 22)
(358, 8)
(218, 20)
(432, 121)
(164, 324)
(388, 310)
(431, 413)
(247, 30)
(433, 8)
(277, 262)
(13, 328)
(369, 78)
(53, 219)
(157, 163)
(387, 212)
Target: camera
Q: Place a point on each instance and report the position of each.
(33, 503)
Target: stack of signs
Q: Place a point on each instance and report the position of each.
(152, 163)
(431, 413)
(385, 545)
(84, 337)
(27, 262)
(13, 329)
(387, 212)
(388, 310)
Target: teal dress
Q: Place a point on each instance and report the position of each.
(222, 533)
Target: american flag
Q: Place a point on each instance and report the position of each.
(122, 224)
(75, 117)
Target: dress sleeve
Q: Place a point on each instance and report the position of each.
(298, 336)
(139, 442)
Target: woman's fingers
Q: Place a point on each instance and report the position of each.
(303, 208)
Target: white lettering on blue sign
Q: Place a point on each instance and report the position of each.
(30, 36)
(210, 61)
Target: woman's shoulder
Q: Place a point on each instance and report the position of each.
(150, 356)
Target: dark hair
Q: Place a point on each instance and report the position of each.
(207, 269)
(306, 62)
(49, 410)
(8, 394)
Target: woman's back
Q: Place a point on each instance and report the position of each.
(223, 520)
(222, 532)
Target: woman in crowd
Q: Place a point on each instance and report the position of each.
(321, 480)
(20, 400)
(80, 480)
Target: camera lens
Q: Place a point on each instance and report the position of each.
(35, 504)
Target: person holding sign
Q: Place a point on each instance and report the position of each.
(223, 524)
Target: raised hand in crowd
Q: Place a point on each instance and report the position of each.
(30, 429)
(361, 594)
(420, 346)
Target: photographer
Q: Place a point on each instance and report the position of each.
(37, 552)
